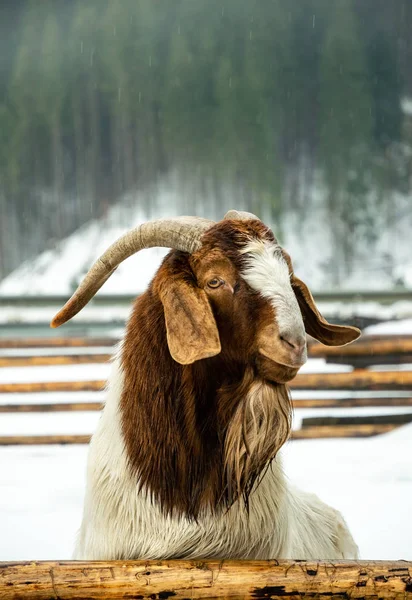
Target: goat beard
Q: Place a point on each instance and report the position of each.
(260, 426)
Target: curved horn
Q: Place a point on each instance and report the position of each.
(240, 215)
(180, 233)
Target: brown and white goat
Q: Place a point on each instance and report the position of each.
(185, 463)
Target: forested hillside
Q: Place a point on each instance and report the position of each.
(296, 110)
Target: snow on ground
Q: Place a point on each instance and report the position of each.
(64, 351)
(42, 487)
(11, 313)
(369, 480)
(87, 372)
(58, 373)
(390, 328)
(49, 423)
(44, 314)
(51, 397)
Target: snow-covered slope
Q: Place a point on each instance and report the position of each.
(58, 271)
(308, 237)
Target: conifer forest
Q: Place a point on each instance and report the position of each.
(286, 108)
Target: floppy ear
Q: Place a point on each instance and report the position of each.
(315, 324)
(191, 328)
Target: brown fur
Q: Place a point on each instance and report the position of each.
(200, 433)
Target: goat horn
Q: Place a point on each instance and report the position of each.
(180, 233)
(240, 215)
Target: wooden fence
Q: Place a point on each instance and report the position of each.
(202, 579)
(369, 348)
(358, 380)
(367, 351)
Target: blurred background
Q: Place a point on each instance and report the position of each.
(116, 112)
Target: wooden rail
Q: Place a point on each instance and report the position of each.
(297, 403)
(57, 342)
(202, 579)
(316, 349)
(53, 360)
(350, 402)
(365, 352)
(312, 433)
(52, 386)
(357, 380)
(48, 407)
(366, 345)
(44, 440)
(395, 420)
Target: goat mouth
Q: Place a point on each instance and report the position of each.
(282, 362)
(275, 371)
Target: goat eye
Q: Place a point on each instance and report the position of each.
(215, 282)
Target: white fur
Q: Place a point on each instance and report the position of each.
(121, 523)
(267, 272)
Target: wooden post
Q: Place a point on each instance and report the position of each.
(201, 579)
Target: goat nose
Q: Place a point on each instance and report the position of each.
(294, 343)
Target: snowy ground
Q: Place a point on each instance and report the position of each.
(10, 313)
(369, 480)
(42, 488)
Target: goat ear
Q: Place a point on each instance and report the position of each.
(192, 332)
(315, 324)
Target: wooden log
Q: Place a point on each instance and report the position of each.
(350, 402)
(47, 361)
(361, 379)
(356, 380)
(369, 360)
(341, 431)
(44, 440)
(58, 342)
(315, 348)
(401, 419)
(358, 362)
(48, 407)
(332, 431)
(52, 386)
(297, 403)
(366, 345)
(201, 579)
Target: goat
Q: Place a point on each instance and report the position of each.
(184, 462)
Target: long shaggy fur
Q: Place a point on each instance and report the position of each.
(123, 521)
(185, 462)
